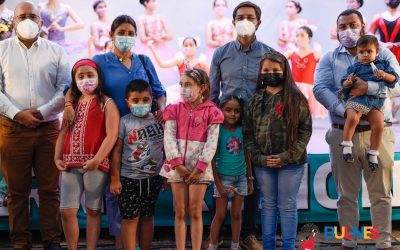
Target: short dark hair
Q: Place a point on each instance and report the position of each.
(189, 38)
(143, 2)
(248, 4)
(348, 13)
(138, 85)
(360, 2)
(367, 40)
(119, 20)
(297, 5)
(307, 30)
(96, 3)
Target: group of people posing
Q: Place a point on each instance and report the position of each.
(243, 128)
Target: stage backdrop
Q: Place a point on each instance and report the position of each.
(316, 200)
(190, 17)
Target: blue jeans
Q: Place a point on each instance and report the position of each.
(279, 188)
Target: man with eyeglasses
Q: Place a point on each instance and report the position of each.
(33, 75)
(234, 71)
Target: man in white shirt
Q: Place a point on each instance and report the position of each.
(33, 75)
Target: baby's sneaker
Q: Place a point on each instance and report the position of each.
(373, 160)
(347, 152)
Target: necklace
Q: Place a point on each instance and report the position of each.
(122, 58)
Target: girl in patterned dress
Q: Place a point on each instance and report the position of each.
(190, 141)
(82, 152)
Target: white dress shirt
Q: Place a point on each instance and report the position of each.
(32, 78)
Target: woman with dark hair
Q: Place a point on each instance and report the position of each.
(287, 28)
(277, 129)
(119, 68)
(100, 30)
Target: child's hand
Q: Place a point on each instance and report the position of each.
(350, 80)
(115, 187)
(91, 164)
(222, 191)
(250, 187)
(183, 172)
(380, 74)
(194, 177)
(68, 117)
(60, 165)
(274, 161)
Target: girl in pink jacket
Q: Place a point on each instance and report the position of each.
(190, 141)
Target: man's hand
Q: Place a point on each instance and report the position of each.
(360, 88)
(29, 117)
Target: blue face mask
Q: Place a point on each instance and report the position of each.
(140, 110)
(124, 43)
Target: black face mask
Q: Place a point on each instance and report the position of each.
(393, 4)
(272, 79)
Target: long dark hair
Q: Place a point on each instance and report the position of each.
(225, 99)
(76, 94)
(292, 97)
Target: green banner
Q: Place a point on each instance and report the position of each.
(316, 200)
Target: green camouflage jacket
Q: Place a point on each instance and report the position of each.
(265, 126)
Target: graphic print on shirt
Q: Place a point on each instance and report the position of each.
(141, 159)
(233, 145)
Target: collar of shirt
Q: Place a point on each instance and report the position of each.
(252, 46)
(36, 43)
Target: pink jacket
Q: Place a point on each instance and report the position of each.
(191, 137)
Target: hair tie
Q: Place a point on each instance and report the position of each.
(84, 62)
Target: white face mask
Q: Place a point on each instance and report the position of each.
(245, 28)
(28, 29)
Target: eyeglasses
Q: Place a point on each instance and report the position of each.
(22, 17)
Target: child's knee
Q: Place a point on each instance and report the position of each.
(68, 213)
(235, 216)
(180, 213)
(93, 212)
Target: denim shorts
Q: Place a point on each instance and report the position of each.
(239, 182)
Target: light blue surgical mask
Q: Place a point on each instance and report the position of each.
(140, 110)
(124, 43)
